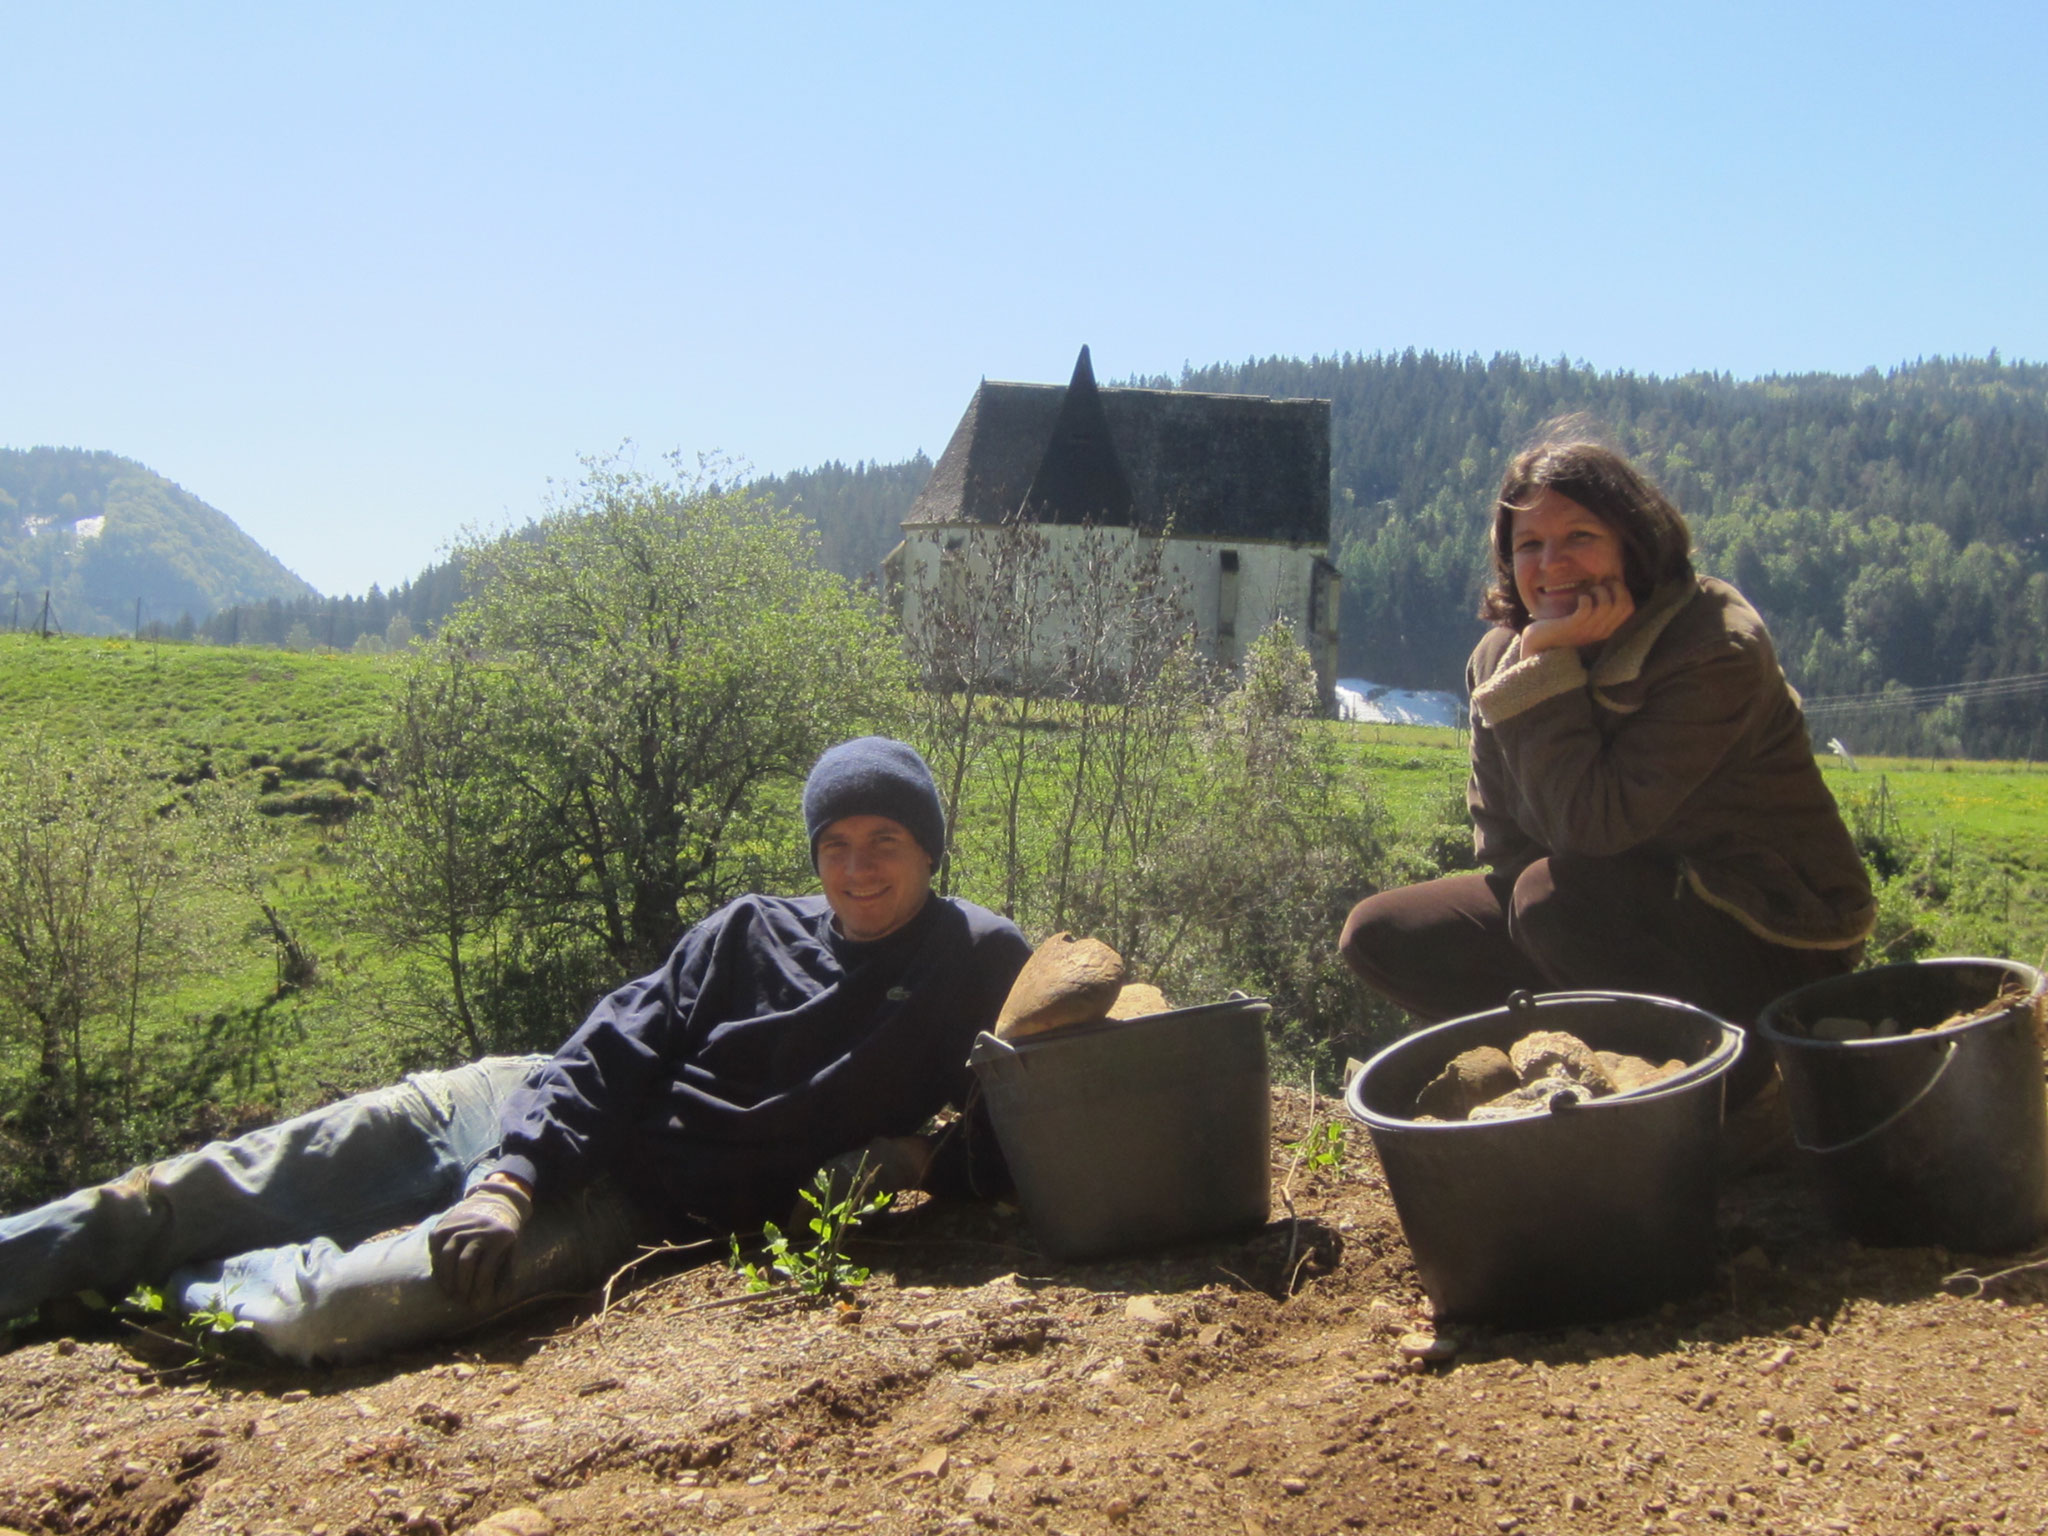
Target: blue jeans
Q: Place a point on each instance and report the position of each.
(281, 1227)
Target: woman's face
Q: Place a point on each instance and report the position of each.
(1560, 551)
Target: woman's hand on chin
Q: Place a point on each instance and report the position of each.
(1601, 610)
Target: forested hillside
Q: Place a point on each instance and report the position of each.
(376, 621)
(858, 511)
(100, 534)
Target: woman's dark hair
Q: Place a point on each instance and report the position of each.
(1656, 546)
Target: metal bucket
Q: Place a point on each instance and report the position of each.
(1935, 1138)
(1572, 1216)
(1137, 1133)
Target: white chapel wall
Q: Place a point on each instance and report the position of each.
(1229, 610)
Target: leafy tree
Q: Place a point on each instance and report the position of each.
(442, 861)
(603, 743)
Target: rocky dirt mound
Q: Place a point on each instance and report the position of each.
(1241, 1387)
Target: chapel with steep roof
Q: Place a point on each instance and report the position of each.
(1234, 490)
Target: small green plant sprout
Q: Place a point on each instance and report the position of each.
(146, 1301)
(1322, 1148)
(821, 1268)
(206, 1328)
(210, 1324)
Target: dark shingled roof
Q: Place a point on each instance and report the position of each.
(1219, 466)
(1080, 479)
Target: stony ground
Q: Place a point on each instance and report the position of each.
(1243, 1387)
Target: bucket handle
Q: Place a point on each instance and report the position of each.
(1933, 1081)
(996, 1056)
(1522, 1000)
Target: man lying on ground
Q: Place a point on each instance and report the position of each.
(782, 1034)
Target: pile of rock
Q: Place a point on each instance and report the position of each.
(1540, 1073)
(1070, 982)
(1840, 1027)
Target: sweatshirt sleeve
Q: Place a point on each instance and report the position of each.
(1583, 789)
(570, 1119)
(1498, 840)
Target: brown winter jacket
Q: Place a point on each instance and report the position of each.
(1681, 740)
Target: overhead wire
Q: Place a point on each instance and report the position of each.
(2018, 685)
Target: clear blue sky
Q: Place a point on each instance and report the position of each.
(361, 275)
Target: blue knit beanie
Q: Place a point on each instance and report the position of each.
(875, 776)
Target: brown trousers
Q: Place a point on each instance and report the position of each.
(1461, 944)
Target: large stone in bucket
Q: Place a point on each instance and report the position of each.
(1139, 1000)
(1556, 1053)
(1473, 1078)
(1066, 981)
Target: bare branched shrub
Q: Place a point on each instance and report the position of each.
(972, 650)
(91, 876)
(1062, 682)
(1103, 777)
(1272, 851)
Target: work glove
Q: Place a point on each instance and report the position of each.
(471, 1245)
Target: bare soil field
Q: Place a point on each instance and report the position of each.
(1242, 1387)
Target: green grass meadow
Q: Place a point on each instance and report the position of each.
(1966, 846)
(1409, 768)
(1964, 862)
(296, 733)
(1999, 809)
(193, 698)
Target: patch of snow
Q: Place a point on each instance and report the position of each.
(31, 526)
(1378, 704)
(89, 527)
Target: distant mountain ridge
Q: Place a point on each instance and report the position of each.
(99, 533)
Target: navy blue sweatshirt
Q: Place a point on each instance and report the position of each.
(765, 1047)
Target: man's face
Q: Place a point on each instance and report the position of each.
(876, 877)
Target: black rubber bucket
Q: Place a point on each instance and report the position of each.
(1576, 1215)
(1130, 1135)
(1936, 1138)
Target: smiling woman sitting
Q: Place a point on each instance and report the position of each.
(1643, 792)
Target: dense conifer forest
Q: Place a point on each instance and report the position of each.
(857, 511)
(376, 621)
